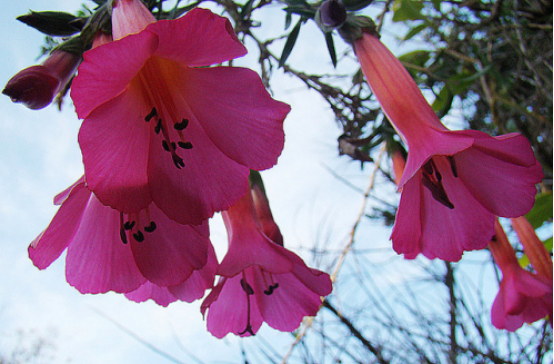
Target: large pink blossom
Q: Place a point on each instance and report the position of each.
(260, 281)
(159, 125)
(523, 297)
(111, 251)
(454, 182)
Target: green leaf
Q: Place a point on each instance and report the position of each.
(355, 5)
(415, 31)
(407, 10)
(288, 20)
(542, 211)
(331, 48)
(443, 101)
(417, 57)
(246, 9)
(289, 44)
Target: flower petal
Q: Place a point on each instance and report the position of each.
(501, 173)
(237, 113)
(168, 255)
(208, 182)
(97, 260)
(199, 38)
(50, 244)
(107, 70)
(114, 140)
(148, 290)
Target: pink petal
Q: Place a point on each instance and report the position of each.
(288, 304)
(199, 38)
(445, 233)
(500, 319)
(107, 70)
(237, 113)
(148, 290)
(229, 308)
(168, 255)
(62, 196)
(129, 16)
(200, 280)
(501, 173)
(114, 141)
(97, 260)
(208, 182)
(50, 244)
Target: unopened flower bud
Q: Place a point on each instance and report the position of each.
(332, 13)
(37, 86)
(53, 23)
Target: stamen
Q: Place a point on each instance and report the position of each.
(123, 236)
(139, 236)
(153, 113)
(246, 287)
(271, 289)
(178, 161)
(453, 166)
(129, 225)
(182, 125)
(150, 228)
(185, 145)
(432, 179)
(158, 127)
(165, 145)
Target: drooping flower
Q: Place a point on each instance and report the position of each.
(161, 126)
(36, 86)
(523, 297)
(191, 289)
(111, 251)
(260, 281)
(533, 246)
(454, 182)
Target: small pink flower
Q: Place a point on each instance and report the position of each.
(161, 126)
(454, 182)
(523, 297)
(36, 86)
(190, 290)
(260, 280)
(111, 251)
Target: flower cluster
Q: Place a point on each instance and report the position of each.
(168, 140)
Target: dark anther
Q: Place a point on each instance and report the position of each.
(246, 287)
(139, 236)
(428, 167)
(128, 225)
(178, 161)
(165, 145)
(494, 238)
(153, 113)
(182, 125)
(150, 228)
(185, 145)
(123, 236)
(158, 127)
(437, 191)
(453, 166)
(248, 330)
(271, 289)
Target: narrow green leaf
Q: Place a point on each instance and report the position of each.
(288, 20)
(246, 9)
(415, 31)
(542, 211)
(289, 44)
(407, 10)
(443, 102)
(331, 48)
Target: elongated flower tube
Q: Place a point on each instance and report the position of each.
(36, 86)
(523, 297)
(260, 281)
(111, 251)
(159, 125)
(533, 246)
(454, 182)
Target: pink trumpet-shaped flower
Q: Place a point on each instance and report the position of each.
(523, 297)
(161, 126)
(111, 251)
(260, 280)
(36, 86)
(190, 290)
(454, 182)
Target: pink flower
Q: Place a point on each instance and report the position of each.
(161, 126)
(111, 251)
(190, 290)
(260, 280)
(455, 182)
(37, 86)
(523, 297)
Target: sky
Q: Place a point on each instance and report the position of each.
(40, 157)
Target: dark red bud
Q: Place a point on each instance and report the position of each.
(333, 13)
